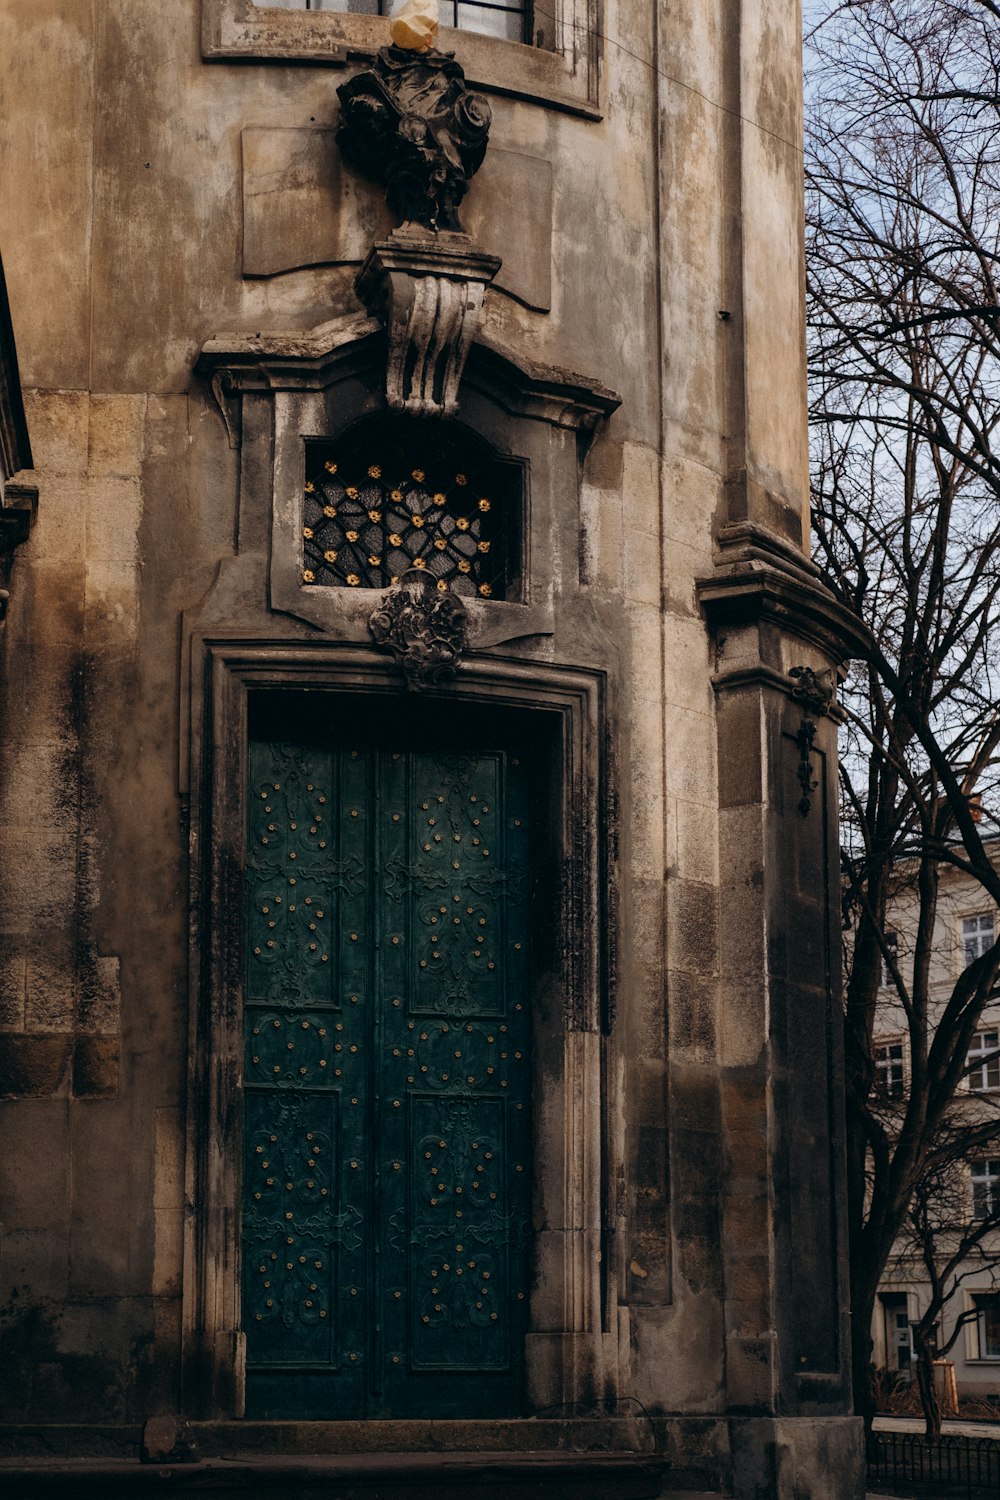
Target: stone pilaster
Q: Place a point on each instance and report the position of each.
(783, 1230)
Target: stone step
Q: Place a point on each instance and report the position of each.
(577, 1435)
(365, 1476)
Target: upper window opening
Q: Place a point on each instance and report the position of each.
(892, 944)
(388, 497)
(890, 1078)
(977, 936)
(985, 1177)
(988, 1324)
(501, 18)
(984, 1062)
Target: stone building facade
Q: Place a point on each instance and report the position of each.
(967, 1209)
(637, 675)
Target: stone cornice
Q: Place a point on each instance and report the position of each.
(760, 578)
(318, 358)
(546, 392)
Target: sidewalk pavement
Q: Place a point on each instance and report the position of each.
(950, 1427)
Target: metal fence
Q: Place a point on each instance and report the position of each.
(959, 1467)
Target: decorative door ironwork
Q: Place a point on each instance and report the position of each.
(387, 1171)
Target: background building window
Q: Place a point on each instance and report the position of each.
(891, 940)
(898, 1334)
(977, 936)
(984, 1062)
(890, 1078)
(985, 1177)
(502, 18)
(988, 1325)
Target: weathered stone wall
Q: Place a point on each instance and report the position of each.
(657, 250)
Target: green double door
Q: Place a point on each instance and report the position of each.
(387, 1127)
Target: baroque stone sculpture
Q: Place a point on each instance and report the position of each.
(411, 122)
(424, 628)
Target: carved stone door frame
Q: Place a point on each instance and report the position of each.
(566, 1343)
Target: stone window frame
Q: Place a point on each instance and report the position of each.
(972, 935)
(566, 79)
(890, 1070)
(278, 392)
(984, 1174)
(983, 1058)
(976, 1301)
(891, 937)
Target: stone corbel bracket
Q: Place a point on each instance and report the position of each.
(428, 289)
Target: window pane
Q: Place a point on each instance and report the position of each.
(892, 943)
(889, 1071)
(340, 7)
(502, 20)
(984, 1062)
(977, 935)
(989, 1327)
(985, 1177)
(389, 496)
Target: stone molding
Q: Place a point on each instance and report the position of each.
(15, 445)
(317, 358)
(303, 207)
(564, 78)
(567, 707)
(18, 509)
(767, 582)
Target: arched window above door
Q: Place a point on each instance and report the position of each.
(295, 401)
(395, 493)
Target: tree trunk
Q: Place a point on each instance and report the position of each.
(926, 1389)
(862, 1369)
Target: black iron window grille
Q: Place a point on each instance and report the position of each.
(389, 497)
(501, 18)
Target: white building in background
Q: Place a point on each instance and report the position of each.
(965, 928)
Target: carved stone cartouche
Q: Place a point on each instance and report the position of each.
(410, 122)
(425, 629)
(815, 691)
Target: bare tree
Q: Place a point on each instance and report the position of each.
(903, 262)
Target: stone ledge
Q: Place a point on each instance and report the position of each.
(403, 1476)
(580, 1435)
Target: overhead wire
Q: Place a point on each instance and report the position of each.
(611, 41)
